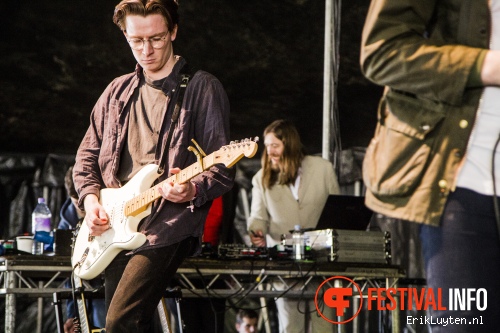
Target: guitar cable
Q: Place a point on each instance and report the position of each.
(76, 318)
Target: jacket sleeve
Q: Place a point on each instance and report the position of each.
(398, 50)
(333, 183)
(86, 172)
(259, 216)
(211, 124)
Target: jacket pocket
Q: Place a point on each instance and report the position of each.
(397, 156)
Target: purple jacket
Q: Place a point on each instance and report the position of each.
(204, 117)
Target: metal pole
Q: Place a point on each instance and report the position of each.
(39, 317)
(331, 130)
(10, 303)
(56, 300)
(327, 80)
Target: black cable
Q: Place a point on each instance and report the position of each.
(299, 279)
(76, 319)
(212, 293)
(495, 198)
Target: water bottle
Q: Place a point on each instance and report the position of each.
(40, 225)
(298, 243)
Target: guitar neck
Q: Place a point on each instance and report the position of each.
(141, 201)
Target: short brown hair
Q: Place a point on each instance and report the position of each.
(166, 8)
(246, 313)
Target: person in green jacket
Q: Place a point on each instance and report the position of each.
(431, 158)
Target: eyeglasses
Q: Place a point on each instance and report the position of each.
(138, 43)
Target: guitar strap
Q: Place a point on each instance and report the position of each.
(176, 103)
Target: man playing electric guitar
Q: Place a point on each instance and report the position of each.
(127, 206)
(128, 130)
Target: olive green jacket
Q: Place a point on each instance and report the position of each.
(428, 54)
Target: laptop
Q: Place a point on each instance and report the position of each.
(345, 212)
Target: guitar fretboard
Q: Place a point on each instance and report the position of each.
(227, 155)
(139, 203)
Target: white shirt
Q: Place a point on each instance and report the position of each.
(295, 186)
(476, 173)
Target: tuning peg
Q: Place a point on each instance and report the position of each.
(256, 139)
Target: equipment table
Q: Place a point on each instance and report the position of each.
(42, 276)
(31, 275)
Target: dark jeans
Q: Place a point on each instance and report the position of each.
(464, 252)
(135, 285)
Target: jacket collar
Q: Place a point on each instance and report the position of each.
(171, 80)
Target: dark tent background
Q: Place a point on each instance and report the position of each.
(58, 56)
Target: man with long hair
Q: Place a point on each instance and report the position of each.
(290, 189)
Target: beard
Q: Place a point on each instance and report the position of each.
(275, 166)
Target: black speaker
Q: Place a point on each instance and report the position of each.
(62, 242)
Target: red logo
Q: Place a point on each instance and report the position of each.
(338, 298)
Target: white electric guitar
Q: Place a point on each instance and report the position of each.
(128, 205)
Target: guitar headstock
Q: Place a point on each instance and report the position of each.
(236, 150)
